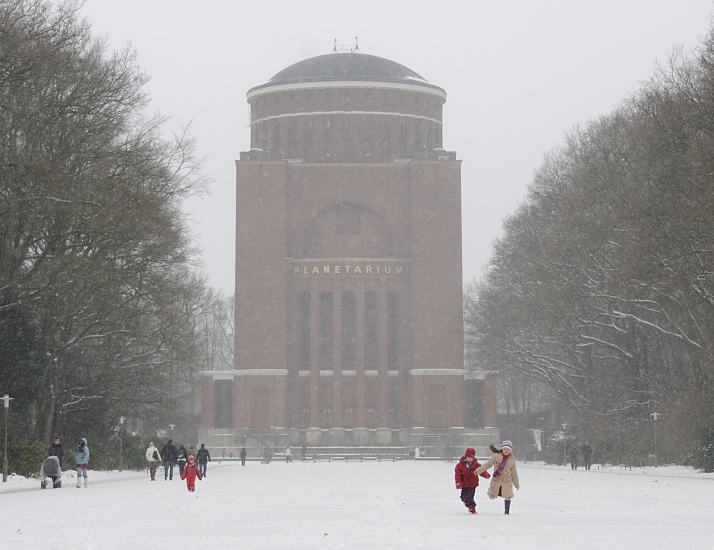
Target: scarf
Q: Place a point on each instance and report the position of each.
(501, 466)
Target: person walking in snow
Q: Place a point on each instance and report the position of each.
(289, 453)
(573, 454)
(181, 458)
(505, 474)
(190, 473)
(467, 479)
(243, 456)
(587, 455)
(153, 457)
(56, 449)
(81, 459)
(203, 457)
(169, 453)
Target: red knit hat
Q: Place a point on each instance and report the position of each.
(470, 452)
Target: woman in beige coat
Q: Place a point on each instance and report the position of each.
(505, 474)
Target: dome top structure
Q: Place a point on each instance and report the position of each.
(346, 67)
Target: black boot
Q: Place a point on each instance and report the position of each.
(507, 509)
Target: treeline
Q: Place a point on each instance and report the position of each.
(601, 289)
(101, 313)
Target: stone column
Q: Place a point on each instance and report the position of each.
(360, 379)
(314, 354)
(336, 357)
(383, 380)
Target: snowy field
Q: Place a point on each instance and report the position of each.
(362, 506)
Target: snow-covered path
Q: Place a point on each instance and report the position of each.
(362, 506)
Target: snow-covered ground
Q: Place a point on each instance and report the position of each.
(362, 506)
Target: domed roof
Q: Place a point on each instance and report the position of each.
(346, 66)
(341, 67)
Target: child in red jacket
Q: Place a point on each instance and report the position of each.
(467, 480)
(190, 472)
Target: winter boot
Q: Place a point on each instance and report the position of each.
(85, 482)
(78, 485)
(507, 508)
(472, 510)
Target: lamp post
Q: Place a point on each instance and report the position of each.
(6, 404)
(121, 444)
(655, 416)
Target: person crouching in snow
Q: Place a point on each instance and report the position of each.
(190, 472)
(466, 478)
(505, 474)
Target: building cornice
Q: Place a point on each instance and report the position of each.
(428, 89)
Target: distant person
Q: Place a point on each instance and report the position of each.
(203, 457)
(573, 454)
(181, 458)
(223, 453)
(56, 449)
(81, 459)
(587, 455)
(505, 474)
(190, 473)
(467, 479)
(153, 457)
(289, 453)
(170, 455)
(303, 452)
(243, 456)
(417, 453)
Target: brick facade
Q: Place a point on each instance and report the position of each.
(348, 255)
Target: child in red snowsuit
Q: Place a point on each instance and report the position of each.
(190, 472)
(467, 480)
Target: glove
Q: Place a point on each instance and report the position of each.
(485, 475)
(458, 486)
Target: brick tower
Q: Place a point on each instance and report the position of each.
(349, 323)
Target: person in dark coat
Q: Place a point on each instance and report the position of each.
(181, 458)
(573, 454)
(243, 456)
(204, 457)
(169, 454)
(56, 449)
(587, 455)
(467, 480)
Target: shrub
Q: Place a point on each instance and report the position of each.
(704, 458)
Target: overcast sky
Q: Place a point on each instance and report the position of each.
(518, 75)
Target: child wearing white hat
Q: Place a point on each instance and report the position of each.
(505, 474)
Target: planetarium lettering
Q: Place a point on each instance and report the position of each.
(347, 269)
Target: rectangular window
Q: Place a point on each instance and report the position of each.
(224, 404)
(304, 330)
(392, 340)
(371, 336)
(349, 330)
(326, 330)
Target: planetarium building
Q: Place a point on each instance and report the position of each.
(349, 308)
